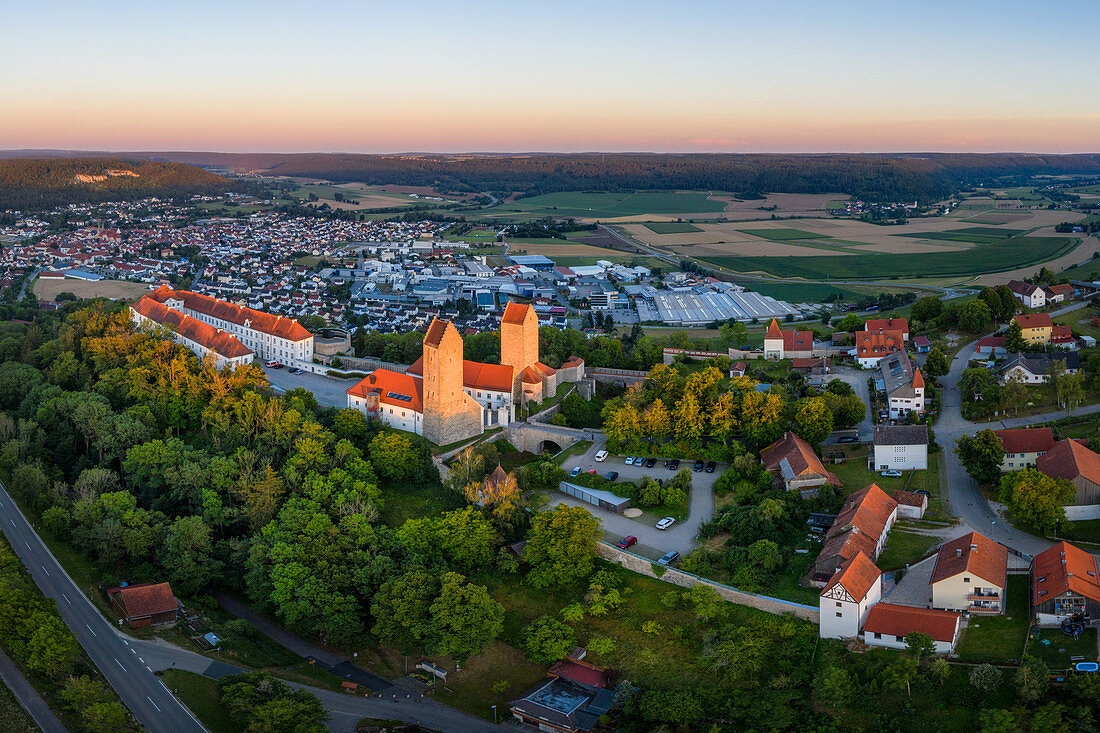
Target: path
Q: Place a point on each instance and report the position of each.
(28, 697)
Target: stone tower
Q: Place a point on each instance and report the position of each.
(519, 341)
(449, 413)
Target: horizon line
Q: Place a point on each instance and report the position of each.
(5, 151)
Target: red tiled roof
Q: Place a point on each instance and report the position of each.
(1034, 320)
(146, 599)
(586, 674)
(808, 362)
(895, 620)
(867, 510)
(495, 377)
(1061, 568)
(974, 554)
(799, 454)
(918, 380)
(1060, 289)
(991, 341)
(878, 343)
(435, 332)
(887, 324)
(1069, 459)
(1026, 440)
(390, 387)
(857, 576)
(1061, 334)
(286, 328)
(218, 341)
(774, 331)
(515, 313)
(909, 498)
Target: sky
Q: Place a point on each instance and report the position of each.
(597, 75)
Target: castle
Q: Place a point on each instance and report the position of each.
(446, 398)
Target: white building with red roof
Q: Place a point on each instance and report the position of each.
(780, 344)
(848, 597)
(204, 340)
(1023, 446)
(888, 624)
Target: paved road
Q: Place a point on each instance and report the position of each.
(28, 697)
(27, 281)
(141, 691)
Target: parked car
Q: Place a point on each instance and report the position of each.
(629, 460)
(297, 371)
(666, 522)
(650, 462)
(611, 475)
(698, 467)
(711, 465)
(626, 542)
(674, 464)
(892, 473)
(273, 365)
(847, 439)
(575, 472)
(601, 456)
(669, 558)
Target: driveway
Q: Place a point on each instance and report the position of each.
(913, 589)
(857, 378)
(328, 390)
(652, 542)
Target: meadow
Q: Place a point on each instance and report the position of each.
(83, 289)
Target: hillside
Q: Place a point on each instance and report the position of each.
(35, 183)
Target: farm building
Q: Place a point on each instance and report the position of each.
(1070, 460)
(793, 462)
(861, 526)
(847, 598)
(901, 447)
(147, 604)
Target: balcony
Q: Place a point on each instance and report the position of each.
(984, 597)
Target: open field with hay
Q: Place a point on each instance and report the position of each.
(49, 289)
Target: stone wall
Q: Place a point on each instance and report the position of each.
(642, 566)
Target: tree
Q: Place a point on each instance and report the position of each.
(813, 421)
(835, 686)
(981, 454)
(927, 308)
(188, 555)
(394, 455)
(1014, 393)
(985, 678)
(920, 644)
(689, 422)
(1014, 338)
(466, 465)
(852, 322)
(562, 546)
(402, 610)
(51, 647)
(670, 706)
(705, 602)
(900, 674)
(465, 617)
(1035, 498)
(1071, 389)
(975, 316)
(260, 703)
(546, 640)
(997, 720)
(1032, 680)
(935, 365)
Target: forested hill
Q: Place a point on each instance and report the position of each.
(39, 183)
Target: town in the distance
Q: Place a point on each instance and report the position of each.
(300, 450)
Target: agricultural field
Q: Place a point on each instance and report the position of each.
(83, 289)
(783, 235)
(615, 205)
(671, 227)
(370, 197)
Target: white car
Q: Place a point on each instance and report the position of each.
(601, 456)
(892, 473)
(666, 523)
(629, 460)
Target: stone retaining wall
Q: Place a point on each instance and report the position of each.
(642, 566)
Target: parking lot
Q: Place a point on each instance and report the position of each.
(652, 542)
(328, 390)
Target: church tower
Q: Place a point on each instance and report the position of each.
(519, 342)
(449, 413)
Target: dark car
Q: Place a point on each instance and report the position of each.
(611, 475)
(650, 462)
(847, 439)
(711, 465)
(626, 542)
(674, 464)
(698, 467)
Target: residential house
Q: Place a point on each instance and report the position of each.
(970, 575)
(911, 504)
(861, 526)
(1035, 368)
(900, 447)
(571, 698)
(780, 344)
(872, 346)
(904, 386)
(1059, 293)
(1023, 446)
(1035, 327)
(922, 344)
(795, 465)
(145, 604)
(1062, 337)
(1032, 296)
(899, 325)
(992, 346)
(1064, 585)
(738, 369)
(1072, 461)
(888, 624)
(847, 598)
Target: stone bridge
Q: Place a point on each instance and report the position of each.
(540, 437)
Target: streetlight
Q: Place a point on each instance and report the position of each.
(494, 715)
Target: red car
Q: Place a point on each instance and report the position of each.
(627, 541)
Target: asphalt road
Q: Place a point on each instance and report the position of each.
(328, 391)
(28, 697)
(141, 691)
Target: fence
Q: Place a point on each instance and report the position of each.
(643, 566)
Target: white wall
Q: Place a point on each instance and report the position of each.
(901, 457)
(890, 642)
(1080, 512)
(852, 615)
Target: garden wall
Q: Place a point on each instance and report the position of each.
(1078, 513)
(643, 566)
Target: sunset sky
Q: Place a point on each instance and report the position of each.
(687, 75)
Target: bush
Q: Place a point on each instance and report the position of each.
(546, 640)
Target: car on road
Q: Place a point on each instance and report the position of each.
(847, 439)
(698, 467)
(575, 472)
(611, 475)
(674, 464)
(601, 456)
(711, 465)
(626, 542)
(629, 460)
(650, 462)
(666, 522)
(273, 365)
(669, 558)
(892, 473)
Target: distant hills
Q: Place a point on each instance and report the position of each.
(877, 177)
(37, 183)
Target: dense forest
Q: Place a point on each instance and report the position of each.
(875, 177)
(40, 183)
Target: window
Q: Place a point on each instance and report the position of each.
(966, 580)
(838, 605)
(878, 635)
(839, 614)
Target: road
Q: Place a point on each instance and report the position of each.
(28, 697)
(27, 281)
(127, 672)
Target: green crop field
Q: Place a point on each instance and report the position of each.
(974, 235)
(979, 259)
(613, 205)
(783, 235)
(671, 227)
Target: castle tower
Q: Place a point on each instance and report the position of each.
(519, 341)
(449, 413)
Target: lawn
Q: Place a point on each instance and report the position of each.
(672, 227)
(12, 715)
(904, 548)
(1056, 654)
(782, 235)
(1001, 638)
(574, 450)
(1010, 254)
(200, 695)
(854, 475)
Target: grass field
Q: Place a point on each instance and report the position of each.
(1056, 654)
(1010, 254)
(974, 235)
(672, 227)
(999, 638)
(904, 548)
(83, 289)
(13, 718)
(782, 235)
(200, 695)
(614, 205)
